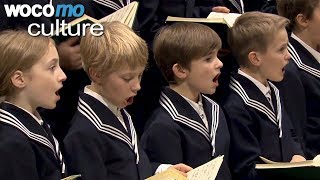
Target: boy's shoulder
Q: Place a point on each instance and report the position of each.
(240, 88)
(233, 100)
(302, 58)
(243, 93)
(81, 130)
(10, 134)
(160, 116)
(81, 123)
(18, 126)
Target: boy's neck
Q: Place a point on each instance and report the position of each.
(306, 38)
(255, 74)
(185, 91)
(22, 103)
(97, 89)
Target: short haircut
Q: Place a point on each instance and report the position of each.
(19, 51)
(182, 43)
(291, 8)
(253, 31)
(119, 46)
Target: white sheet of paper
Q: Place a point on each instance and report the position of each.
(207, 171)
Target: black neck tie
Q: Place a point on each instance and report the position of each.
(55, 144)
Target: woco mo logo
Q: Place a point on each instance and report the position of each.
(58, 27)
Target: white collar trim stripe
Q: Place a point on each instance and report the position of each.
(108, 3)
(239, 7)
(215, 123)
(167, 104)
(133, 135)
(85, 110)
(235, 85)
(10, 119)
(295, 57)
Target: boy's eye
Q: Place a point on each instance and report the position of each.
(52, 67)
(127, 79)
(283, 48)
(209, 59)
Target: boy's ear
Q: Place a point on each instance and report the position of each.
(254, 58)
(302, 20)
(94, 75)
(18, 79)
(179, 71)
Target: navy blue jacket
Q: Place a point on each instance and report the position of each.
(256, 129)
(27, 150)
(307, 71)
(175, 134)
(98, 147)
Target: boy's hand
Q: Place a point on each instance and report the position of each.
(220, 9)
(182, 168)
(69, 54)
(297, 158)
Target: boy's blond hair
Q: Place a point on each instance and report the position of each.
(253, 31)
(182, 43)
(19, 51)
(290, 9)
(119, 46)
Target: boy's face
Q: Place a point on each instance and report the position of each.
(313, 26)
(43, 80)
(120, 87)
(275, 58)
(204, 73)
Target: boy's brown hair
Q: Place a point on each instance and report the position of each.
(291, 8)
(182, 43)
(119, 46)
(19, 51)
(253, 31)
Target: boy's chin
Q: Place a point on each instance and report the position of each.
(49, 106)
(209, 92)
(277, 79)
(123, 105)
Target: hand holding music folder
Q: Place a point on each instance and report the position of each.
(206, 171)
(219, 22)
(213, 18)
(309, 169)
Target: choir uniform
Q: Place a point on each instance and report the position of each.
(257, 128)
(176, 133)
(27, 150)
(307, 68)
(99, 146)
(294, 105)
(58, 118)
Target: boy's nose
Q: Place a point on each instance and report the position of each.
(136, 87)
(220, 64)
(287, 56)
(62, 76)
